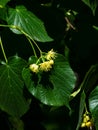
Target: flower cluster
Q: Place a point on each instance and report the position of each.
(46, 66)
(51, 55)
(87, 121)
(47, 61)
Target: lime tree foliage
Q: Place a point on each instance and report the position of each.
(49, 64)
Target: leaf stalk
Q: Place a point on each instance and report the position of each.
(2, 48)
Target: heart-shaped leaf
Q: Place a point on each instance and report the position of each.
(54, 87)
(12, 100)
(28, 23)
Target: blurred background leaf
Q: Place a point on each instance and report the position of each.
(92, 4)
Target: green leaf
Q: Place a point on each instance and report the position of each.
(3, 3)
(12, 100)
(81, 109)
(54, 87)
(92, 4)
(89, 81)
(95, 27)
(93, 105)
(3, 14)
(28, 23)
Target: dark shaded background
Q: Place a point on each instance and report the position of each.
(83, 45)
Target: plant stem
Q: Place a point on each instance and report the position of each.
(3, 50)
(2, 25)
(28, 36)
(37, 47)
(86, 108)
(32, 47)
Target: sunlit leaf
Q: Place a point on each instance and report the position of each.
(92, 4)
(54, 87)
(12, 100)
(93, 105)
(29, 23)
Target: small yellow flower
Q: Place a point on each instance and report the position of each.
(51, 55)
(51, 62)
(86, 119)
(83, 125)
(34, 68)
(46, 66)
(89, 124)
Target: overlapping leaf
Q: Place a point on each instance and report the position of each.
(12, 100)
(28, 23)
(52, 88)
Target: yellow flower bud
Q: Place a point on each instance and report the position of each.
(84, 115)
(86, 118)
(88, 124)
(83, 125)
(34, 68)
